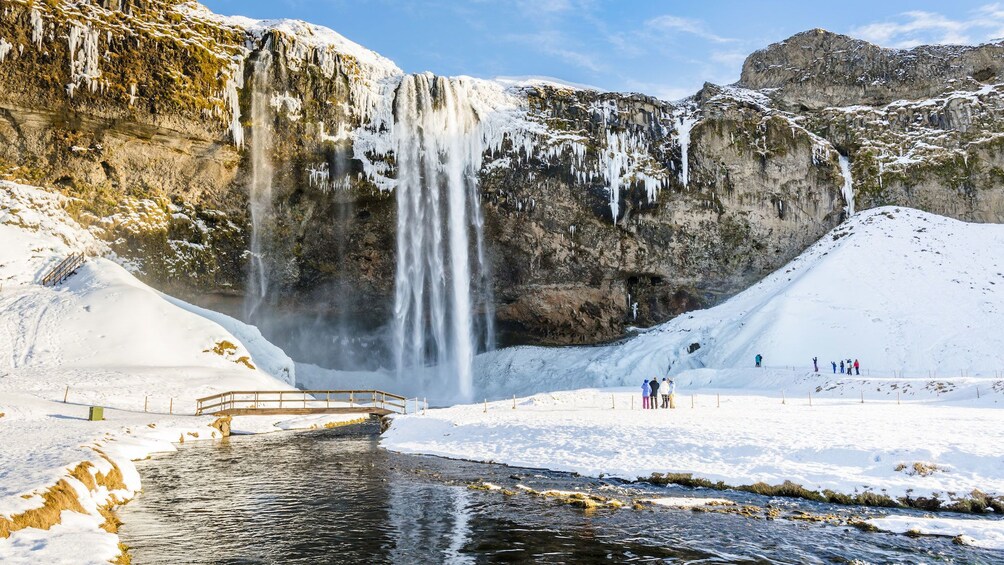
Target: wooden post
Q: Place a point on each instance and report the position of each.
(782, 398)
(810, 398)
(691, 400)
(977, 393)
(66, 394)
(425, 404)
(718, 401)
(170, 409)
(632, 402)
(897, 398)
(383, 400)
(351, 398)
(280, 399)
(514, 402)
(146, 403)
(486, 406)
(862, 397)
(327, 399)
(613, 403)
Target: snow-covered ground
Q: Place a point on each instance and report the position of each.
(101, 338)
(917, 298)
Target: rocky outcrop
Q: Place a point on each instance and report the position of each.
(816, 69)
(601, 211)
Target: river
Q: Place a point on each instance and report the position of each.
(335, 496)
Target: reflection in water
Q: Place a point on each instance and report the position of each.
(334, 496)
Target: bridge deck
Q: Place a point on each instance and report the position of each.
(301, 411)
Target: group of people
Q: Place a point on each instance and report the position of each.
(650, 393)
(851, 368)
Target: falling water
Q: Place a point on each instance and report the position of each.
(260, 189)
(439, 147)
(848, 188)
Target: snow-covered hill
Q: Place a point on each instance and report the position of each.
(899, 289)
(107, 336)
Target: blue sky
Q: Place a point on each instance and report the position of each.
(663, 48)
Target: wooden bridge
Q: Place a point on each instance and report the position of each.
(272, 402)
(64, 269)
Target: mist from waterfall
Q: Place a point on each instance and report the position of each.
(439, 145)
(260, 187)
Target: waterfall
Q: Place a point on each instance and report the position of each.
(439, 143)
(848, 188)
(260, 188)
(686, 123)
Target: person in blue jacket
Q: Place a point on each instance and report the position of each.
(645, 389)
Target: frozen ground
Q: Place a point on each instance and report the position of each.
(741, 436)
(101, 338)
(917, 298)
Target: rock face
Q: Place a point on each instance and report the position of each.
(601, 210)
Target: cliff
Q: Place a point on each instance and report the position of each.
(600, 211)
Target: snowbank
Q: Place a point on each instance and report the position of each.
(988, 534)
(738, 437)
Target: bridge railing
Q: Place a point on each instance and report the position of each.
(63, 269)
(250, 400)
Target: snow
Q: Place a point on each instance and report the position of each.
(101, 338)
(731, 435)
(899, 289)
(530, 81)
(918, 298)
(688, 502)
(987, 534)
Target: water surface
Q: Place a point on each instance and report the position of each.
(335, 496)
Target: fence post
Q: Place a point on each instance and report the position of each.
(66, 394)
(486, 406)
(351, 398)
(977, 393)
(146, 403)
(425, 404)
(691, 400)
(613, 403)
(327, 399)
(718, 403)
(170, 408)
(514, 402)
(782, 398)
(863, 397)
(897, 398)
(810, 398)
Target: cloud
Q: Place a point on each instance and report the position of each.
(557, 44)
(670, 23)
(919, 27)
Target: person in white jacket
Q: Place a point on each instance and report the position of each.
(664, 389)
(671, 389)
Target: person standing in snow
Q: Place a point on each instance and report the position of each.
(672, 393)
(815, 364)
(841, 366)
(758, 359)
(664, 389)
(653, 400)
(857, 367)
(834, 363)
(644, 393)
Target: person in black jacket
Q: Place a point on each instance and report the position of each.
(653, 392)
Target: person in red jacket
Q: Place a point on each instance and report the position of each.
(857, 367)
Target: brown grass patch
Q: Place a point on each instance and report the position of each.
(330, 425)
(124, 558)
(222, 348)
(246, 361)
(59, 497)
